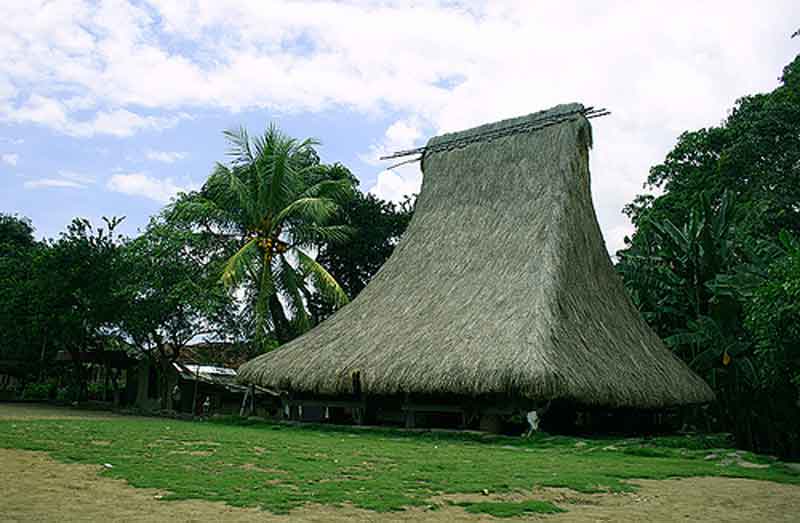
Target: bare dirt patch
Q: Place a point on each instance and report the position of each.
(200, 443)
(269, 470)
(705, 499)
(26, 411)
(696, 499)
(198, 453)
(36, 488)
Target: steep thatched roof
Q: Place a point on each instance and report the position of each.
(501, 284)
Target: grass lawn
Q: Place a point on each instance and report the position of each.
(279, 467)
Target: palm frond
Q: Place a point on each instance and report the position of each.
(308, 210)
(263, 165)
(240, 150)
(308, 143)
(237, 265)
(196, 209)
(337, 190)
(218, 189)
(245, 200)
(325, 283)
(290, 284)
(315, 234)
(284, 179)
(284, 159)
(232, 192)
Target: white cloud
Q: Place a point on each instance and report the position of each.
(53, 182)
(80, 178)
(7, 90)
(165, 156)
(10, 158)
(41, 110)
(396, 184)
(141, 184)
(65, 179)
(87, 68)
(118, 122)
(401, 135)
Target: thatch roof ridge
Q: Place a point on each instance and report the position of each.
(501, 285)
(559, 111)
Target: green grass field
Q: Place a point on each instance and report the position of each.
(279, 467)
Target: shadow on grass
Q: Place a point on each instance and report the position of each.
(510, 509)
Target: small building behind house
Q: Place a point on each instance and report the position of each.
(212, 389)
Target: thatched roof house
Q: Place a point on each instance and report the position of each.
(502, 285)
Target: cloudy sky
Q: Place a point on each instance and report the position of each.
(111, 107)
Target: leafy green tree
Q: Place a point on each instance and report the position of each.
(704, 262)
(673, 265)
(773, 317)
(78, 276)
(16, 234)
(172, 295)
(755, 155)
(378, 226)
(684, 278)
(270, 205)
(22, 337)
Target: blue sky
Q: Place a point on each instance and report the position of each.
(53, 178)
(111, 107)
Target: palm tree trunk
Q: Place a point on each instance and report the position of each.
(280, 322)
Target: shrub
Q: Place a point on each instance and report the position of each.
(37, 391)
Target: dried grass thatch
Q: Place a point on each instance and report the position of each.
(501, 285)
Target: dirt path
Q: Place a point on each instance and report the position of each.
(23, 411)
(33, 487)
(706, 499)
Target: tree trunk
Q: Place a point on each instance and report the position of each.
(143, 383)
(79, 376)
(162, 375)
(41, 357)
(279, 320)
(168, 382)
(107, 382)
(115, 387)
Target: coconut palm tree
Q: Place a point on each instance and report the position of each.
(266, 197)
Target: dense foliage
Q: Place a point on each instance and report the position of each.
(171, 294)
(713, 263)
(251, 260)
(59, 295)
(19, 339)
(377, 226)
